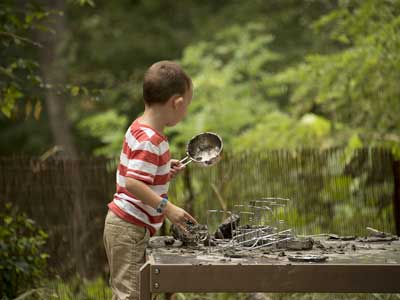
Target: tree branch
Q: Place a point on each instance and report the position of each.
(23, 39)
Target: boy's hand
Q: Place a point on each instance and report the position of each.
(178, 216)
(176, 167)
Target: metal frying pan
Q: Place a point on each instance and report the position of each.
(204, 149)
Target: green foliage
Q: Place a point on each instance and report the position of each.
(258, 66)
(74, 288)
(20, 83)
(234, 95)
(109, 128)
(105, 50)
(22, 259)
(86, 2)
(335, 97)
(226, 72)
(78, 288)
(355, 85)
(279, 130)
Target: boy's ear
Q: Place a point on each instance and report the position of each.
(177, 101)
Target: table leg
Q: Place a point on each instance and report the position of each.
(144, 282)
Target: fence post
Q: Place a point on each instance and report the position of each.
(396, 195)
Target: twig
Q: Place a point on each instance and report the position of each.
(29, 293)
(26, 40)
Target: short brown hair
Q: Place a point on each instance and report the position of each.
(163, 80)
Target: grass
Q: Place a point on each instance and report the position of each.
(98, 289)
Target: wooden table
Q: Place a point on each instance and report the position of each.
(351, 267)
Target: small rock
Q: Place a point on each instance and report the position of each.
(282, 253)
(177, 243)
(319, 245)
(169, 242)
(297, 244)
(233, 254)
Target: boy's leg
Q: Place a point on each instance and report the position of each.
(125, 245)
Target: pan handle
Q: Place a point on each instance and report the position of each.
(185, 161)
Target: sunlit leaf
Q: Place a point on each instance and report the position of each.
(38, 109)
(75, 91)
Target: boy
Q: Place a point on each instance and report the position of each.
(140, 203)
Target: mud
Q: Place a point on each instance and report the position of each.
(195, 233)
(297, 244)
(225, 229)
(335, 251)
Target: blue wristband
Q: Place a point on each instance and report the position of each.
(162, 205)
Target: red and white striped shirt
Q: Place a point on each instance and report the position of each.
(145, 156)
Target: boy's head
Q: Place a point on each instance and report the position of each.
(165, 84)
(163, 80)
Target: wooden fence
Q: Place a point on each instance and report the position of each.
(334, 190)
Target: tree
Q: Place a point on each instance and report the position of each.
(234, 94)
(354, 84)
(30, 39)
(122, 52)
(53, 73)
(20, 83)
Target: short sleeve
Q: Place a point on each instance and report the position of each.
(143, 162)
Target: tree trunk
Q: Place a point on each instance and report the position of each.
(53, 73)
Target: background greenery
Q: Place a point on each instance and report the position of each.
(267, 74)
(22, 257)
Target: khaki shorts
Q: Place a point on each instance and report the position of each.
(125, 245)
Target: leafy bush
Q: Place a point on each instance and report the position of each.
(22, 260)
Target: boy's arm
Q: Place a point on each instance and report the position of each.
(175, 214)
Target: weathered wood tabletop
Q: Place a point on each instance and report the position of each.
(351, 266)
